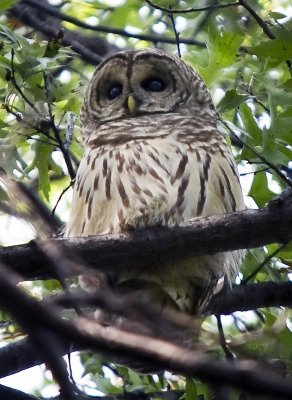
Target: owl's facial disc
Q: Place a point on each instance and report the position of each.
(137, 88)
(133, 84)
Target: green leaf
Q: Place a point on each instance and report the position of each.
(10, 159)
(12, 38)
(285, 254)
(231, 100)
(4, 62)
(73, 104)
(5, 4)
(135, 378)
(282, 126)
(276, 15)
(275, 49)
(270, 149)
(77, 149)
(43, 155)
(3, 195)
(250, 124)
(222, 47)
(287, 85)
(252, 260)
(105, 386)
(259, 190)
(44, 163)
(93, 365)
(52, 48)
(191, 390)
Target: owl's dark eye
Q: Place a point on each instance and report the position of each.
(153, 84)
(114, 90)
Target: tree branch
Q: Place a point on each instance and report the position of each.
(192, 10)
(53, 11)
(166, 354)
(251, 297)
(85, 46)
(7, 393)
(262, 24)
(91, 49)
(21, 355)
(238, 298)
(258, 19)
(201, 236)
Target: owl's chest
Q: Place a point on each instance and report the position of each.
(140, 183)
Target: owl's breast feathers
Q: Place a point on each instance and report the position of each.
(157, 171)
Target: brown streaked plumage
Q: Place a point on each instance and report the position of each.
(153, 156)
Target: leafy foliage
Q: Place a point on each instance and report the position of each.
(248, 71)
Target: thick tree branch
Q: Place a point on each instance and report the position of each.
(238, 298)
(21, 355)
(7, 393)
(208, 235)
(251, 296)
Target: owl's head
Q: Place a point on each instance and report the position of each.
(136, 83)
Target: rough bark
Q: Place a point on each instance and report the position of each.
(244, 229)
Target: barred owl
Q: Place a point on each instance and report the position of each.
(154, 157)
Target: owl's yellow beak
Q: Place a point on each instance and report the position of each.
(132, 104)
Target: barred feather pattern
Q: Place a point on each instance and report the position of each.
(142, 172)
(157, 159)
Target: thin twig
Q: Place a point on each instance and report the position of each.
(262, 24)
(46, 342)
(17, 87)
(260, 103)
(191, 10)
(266, 260)
(248, 90)
(132, 305)
(60, 197)
(262, 158)
(30, 136)
(228, 353)
(254, 172)
(56, 131)
(150, 38)
(19, 117)
(176, 34)
(258, 19)
(37, 210)
(60, 263)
